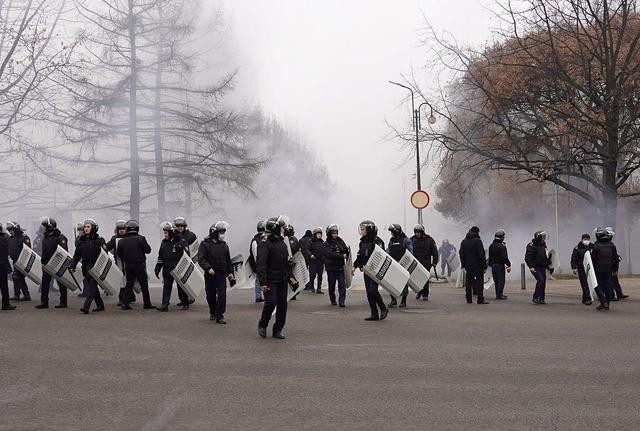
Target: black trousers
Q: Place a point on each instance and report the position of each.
(316, 268)
(474, 285)
(92, 293)
(133, 272)
(167, 288)
(44, 289)
(373, 296)
(215, 287)
(333, 278)
(275, 299)
(499, 274)
(20, 284)
(584, 284)
(4, 288)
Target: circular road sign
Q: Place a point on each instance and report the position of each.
(420, 199)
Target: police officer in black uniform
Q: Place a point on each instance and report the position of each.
(538, 261)
(171, 250)
(398, 246)
(336, 254)
(294, 245)
(50, 242)
(80, 234)
(119, 232)
(17, 240)
(215, 260)
(316, 260)
(88, 248)
(605, 264)
(274, 273)
(5, 269)
(182, 231)
(368, 240)
(132, 249)
(499, 263)
(577, 265)
(426, 251)
(253, 255)
(474, 261)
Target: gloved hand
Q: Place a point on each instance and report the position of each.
(157, 270)
(295, 286)
(232, 282)
(551, 271)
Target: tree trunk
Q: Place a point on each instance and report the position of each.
(157, 138)
(133, 121)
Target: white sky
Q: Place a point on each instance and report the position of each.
(322, 68)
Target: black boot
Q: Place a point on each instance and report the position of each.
(262, 332)
(403, 302)
(372, 318)
(384, 313)
(393, 302)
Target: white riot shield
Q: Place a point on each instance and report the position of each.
(107, 274)
(592, 281)
(28, 263)
(460, 279)
(488, 280)
(386, 272)
(300, 270)
(348, 278)
(188, 276)
(58, 266)
(237, 262)
(453, 260)
(418, 274)
(555, 260)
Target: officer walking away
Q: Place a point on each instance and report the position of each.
(215, 259)
(426, 251)
(50, 242)
(316, 260)
(5, 269)
(577, 266)
(80, 234)
(398, 245)
(171, 250)
(88, 248)
(617, 294)
(499, 263)
(305, 248)
(18, 239)
(537, 259)
(445, 251)
(133, 249)
(274, 273)
(605, 264)
(119, 232)
(336, 254)
(368, 241)
(473, 260)
(253, 255)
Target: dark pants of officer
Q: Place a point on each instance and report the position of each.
(584, 284)
(316, 267)
(20, 284)
(333, 278)
(133, 272)
(425, 290)
(605, 286)
(474, 285)
(541, 282)
(44, 290)
(167, 288)
(499, 274)
(92, 293)
(216, 288)
(275, 299)
(4, 288)
(617, 289)
(373, 296)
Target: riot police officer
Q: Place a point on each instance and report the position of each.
(274, 273)
(171, 250)
(368, 240)
(17, 240)
(398, 245)
(577, 265)
(88, 248)
(50, 242)
(336, 254)
(605, 264)
(316, 260)
(181, 228)
(426, 251)
(215, 259)
(253, 254)
(474, 261)
(132, 249)
(537, 259)
(294, 245)
(499, 263)
(5, 268)
(119, 232)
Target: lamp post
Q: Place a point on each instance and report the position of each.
(417, 124)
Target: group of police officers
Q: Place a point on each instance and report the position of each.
(270, 258)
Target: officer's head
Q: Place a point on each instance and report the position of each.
(167, 229)
(289, 231)
(500, 234)
(395, 229)
(260, 226)
(332, 231)
(218, 230)
(603, 234)
(418, 230)
(48, 224)
(367, 227)
(445, 242)
(120, 228)
(585, 238)
(13, 228)
(180, 223)
(317, 233)
(132, 226)
(89, 226)
(540, 236)
(80, 228)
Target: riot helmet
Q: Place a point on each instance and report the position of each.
(132, 226)
(367, 227)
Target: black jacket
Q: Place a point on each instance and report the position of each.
(577, 255)
(214, 254)
(50, 244)
(605, 256)
(133, 248)
(273, 261)
(536, 255)
(252, 258)
(365, 249)
(335, 250)
(87, 249)
(5, 266)
(305, 245)
(425, 250)
(15, 244)
(472, 255)
(498, 253)
(169, 253)
(294, 244)
(317, 250)
(188, 236)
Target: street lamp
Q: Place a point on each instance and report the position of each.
(417, 125)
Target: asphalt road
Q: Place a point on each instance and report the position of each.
(438, 365)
